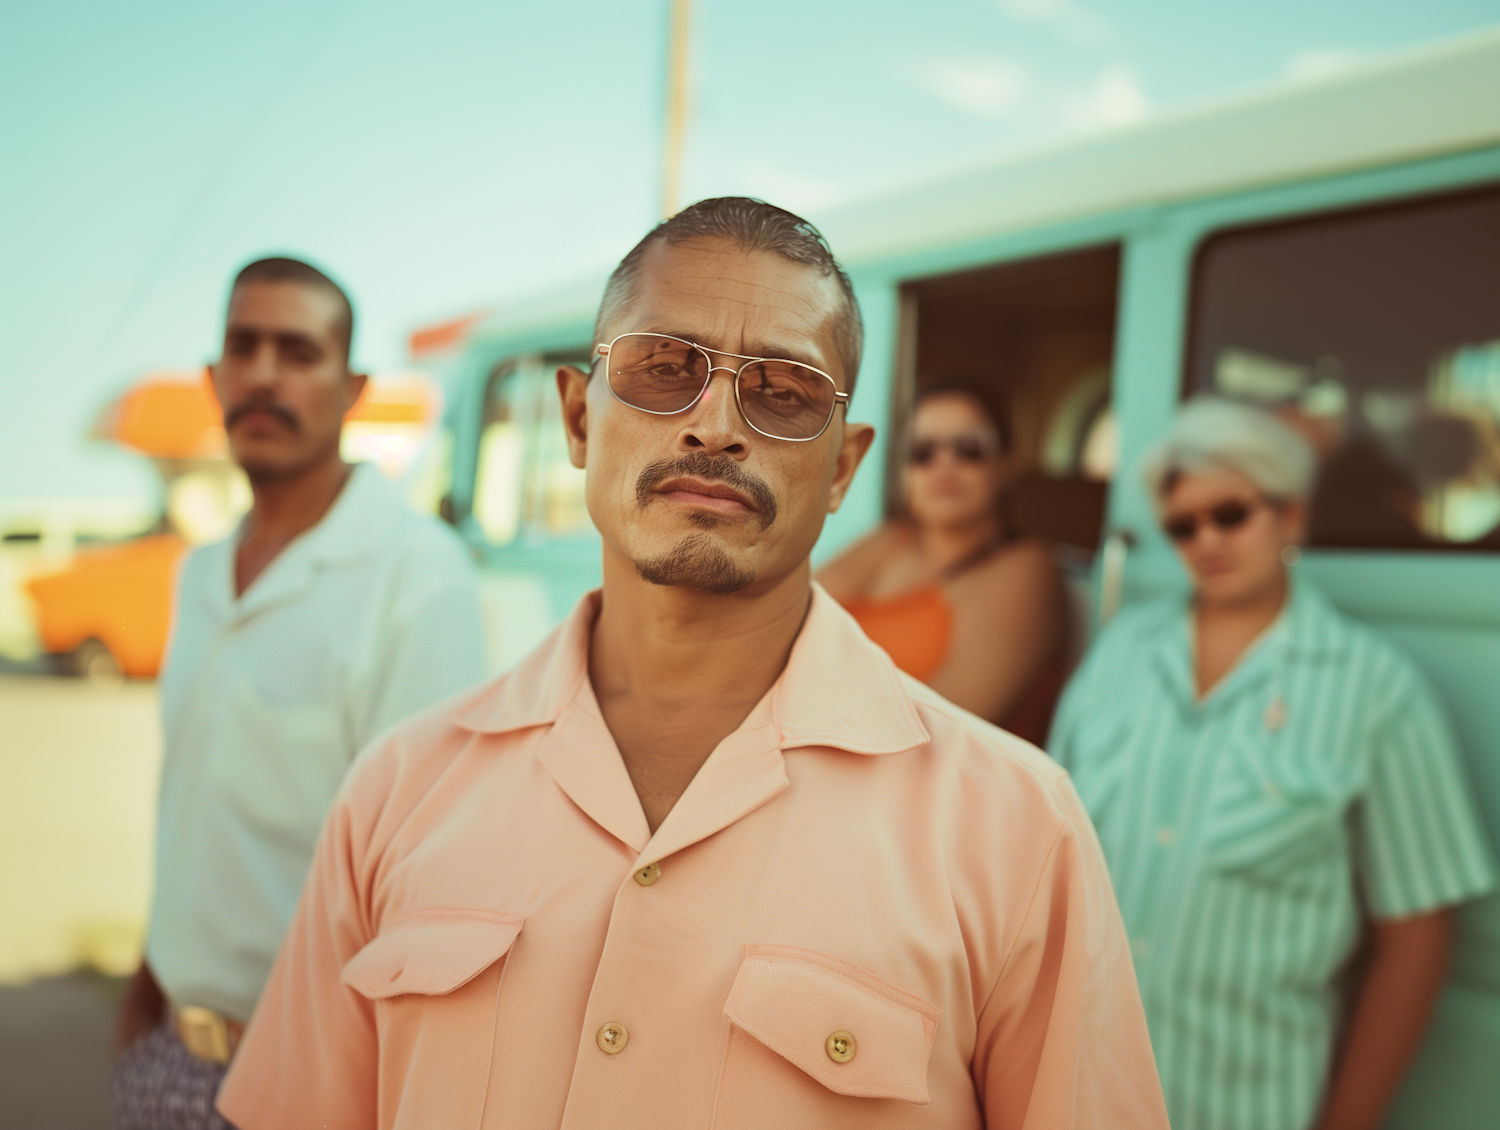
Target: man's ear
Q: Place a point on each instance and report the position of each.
(573, 391)
(354, 387)
(856, 443)
(213, 389)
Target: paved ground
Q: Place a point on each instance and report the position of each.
(54, 1047)
(78, 775)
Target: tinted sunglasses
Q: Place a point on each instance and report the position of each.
(663, 375)
(1224, 517)
(965, 449)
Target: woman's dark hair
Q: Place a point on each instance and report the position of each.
(995, 409)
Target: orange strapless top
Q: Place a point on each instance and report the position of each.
(916, 630)
(915, 627)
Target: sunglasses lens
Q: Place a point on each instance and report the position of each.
(1229, 515)
(784, 399)
(1181, 529)
(969, 449)
(1225, 516)
(656, 374)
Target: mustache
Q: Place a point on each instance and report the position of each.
(714, 468)
(262, 404)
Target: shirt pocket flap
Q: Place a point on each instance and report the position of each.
(1268, 821)
(430, 952)
(794, 1001)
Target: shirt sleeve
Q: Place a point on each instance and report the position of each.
(437, 650)
(1062, 1039)
(1420, 843)
(309, 1055)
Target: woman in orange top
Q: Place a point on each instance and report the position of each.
(949, 590)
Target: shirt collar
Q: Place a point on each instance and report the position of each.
(358, 522)
(1306, 630)
(356, 526)
(1314, 630)
(838, 688)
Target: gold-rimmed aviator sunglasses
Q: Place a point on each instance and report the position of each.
(665, 375)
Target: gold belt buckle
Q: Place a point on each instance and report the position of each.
(204, 1033)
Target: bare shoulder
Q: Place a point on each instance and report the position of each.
(850, 571)
(1027, 557)
(1023, 570)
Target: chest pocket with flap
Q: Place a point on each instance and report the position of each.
(431, 952)
(793, 1001)
(1271, 825)
(434, 977)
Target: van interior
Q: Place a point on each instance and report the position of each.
(1039, 333)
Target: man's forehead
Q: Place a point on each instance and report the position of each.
(753, 302)
(282, 305)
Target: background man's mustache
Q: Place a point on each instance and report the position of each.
(273, 407)
(714, 468)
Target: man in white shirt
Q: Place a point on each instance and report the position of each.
(333, 613)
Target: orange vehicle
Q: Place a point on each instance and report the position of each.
(107, 613)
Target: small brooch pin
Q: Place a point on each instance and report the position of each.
(1275, 716)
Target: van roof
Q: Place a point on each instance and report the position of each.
(1442, 98)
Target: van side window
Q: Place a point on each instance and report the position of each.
(525, 487)
(1377, 334)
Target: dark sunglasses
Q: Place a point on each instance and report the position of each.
(965, 449)
(1225, 516)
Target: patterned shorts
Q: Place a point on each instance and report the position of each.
(157, 1084)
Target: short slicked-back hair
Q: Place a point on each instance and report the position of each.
(295, 270)
(752, 225)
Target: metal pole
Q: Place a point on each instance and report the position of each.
(676, 125)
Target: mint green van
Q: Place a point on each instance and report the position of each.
(1331, 247)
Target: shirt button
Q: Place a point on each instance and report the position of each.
(649, 874)
(612, 1038)
(1165, 836)
(840, 1047)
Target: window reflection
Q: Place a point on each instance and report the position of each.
(525, 485)
(1377, 334)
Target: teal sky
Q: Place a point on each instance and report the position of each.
(448, 156)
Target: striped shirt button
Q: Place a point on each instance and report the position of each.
(1165, 836)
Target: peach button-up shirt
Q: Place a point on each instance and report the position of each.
(869, 909)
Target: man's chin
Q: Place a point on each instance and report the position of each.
(698, 562)
(261, 465)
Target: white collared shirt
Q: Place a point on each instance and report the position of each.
(368, 616)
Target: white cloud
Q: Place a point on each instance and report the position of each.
(989, 88)
(1068, 18)
(1309, 66)
(1114, 99)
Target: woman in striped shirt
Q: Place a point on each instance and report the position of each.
(1276, 790)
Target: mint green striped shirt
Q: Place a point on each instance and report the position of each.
(1250, 833)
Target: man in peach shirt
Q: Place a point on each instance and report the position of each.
(706, 858)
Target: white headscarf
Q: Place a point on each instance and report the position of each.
(1211, 432)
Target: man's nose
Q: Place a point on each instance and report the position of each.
(261, 368)
(714, 423)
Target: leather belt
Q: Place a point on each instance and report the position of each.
(207, 1034)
